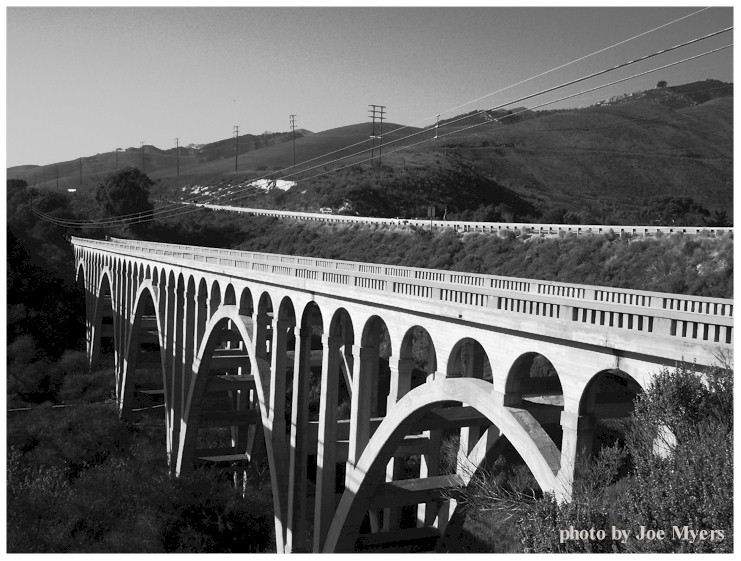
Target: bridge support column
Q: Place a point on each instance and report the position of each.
(364, 379)
(97, 306)
(401, 383)
(576, 446)
(176, 370)
(200, 320)
(326, 458)
(296, 521)
(167, 312)
(189, 334)
(119, 320)
(277, 398)
(263, 323)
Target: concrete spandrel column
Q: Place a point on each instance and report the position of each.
(188, 338)
(401, 380)
(263, 324)
(298, 449)
(277, 398)
(364, 379)
(176, 375)
(326, 457)
(200, 320)
(401, 383)
(576, 445)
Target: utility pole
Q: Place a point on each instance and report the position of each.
(236, 146)
(117, 151)
(293, 132)
(376, 111)
(177, 154)
(141, 146)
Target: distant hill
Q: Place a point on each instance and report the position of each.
(602, 160)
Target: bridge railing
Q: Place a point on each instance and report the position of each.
(490, 227)
(390, 273)
(691, 318)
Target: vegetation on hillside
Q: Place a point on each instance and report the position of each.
(696, 265)
(603, 163)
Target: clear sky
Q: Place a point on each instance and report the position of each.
(91, 79)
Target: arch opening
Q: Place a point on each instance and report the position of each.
(533, 384)
(608, 401)
(417, 359)
(104, 341)
(143, 385)
(445, 404)
(230, 436)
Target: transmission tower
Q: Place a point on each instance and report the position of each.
(376, 112)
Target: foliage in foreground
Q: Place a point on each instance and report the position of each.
(680, 447)
(79, 480)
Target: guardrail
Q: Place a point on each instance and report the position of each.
(516, 228)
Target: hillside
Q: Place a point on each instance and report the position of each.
(604, 163)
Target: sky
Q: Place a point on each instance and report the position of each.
(85, 80)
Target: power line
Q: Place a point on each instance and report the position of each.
(513, 85)
(175, 212)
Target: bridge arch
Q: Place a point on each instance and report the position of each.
(105, 324)
(417, 359)
(246, 304)
(230, 298)
(607, 399)
(214, 301)
(375, 356)
(255, 373)
(362, 489)
(145, 332)
(469, 359)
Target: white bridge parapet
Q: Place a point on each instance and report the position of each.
(687, 326)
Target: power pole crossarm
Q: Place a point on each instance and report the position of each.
(293, 133)
(376, 111)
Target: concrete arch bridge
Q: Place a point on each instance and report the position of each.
(401, 357)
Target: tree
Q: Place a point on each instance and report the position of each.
(123, 193)
(661, 84)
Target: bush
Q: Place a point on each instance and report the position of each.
(689, 485)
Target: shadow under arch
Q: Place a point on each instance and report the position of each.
(469, 359)
(534, 384)
(417, 359)
(607, 400)
(144, 342)
(104, 328)
(228, 318)
(411, 413)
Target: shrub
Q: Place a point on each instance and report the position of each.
(689, 485)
